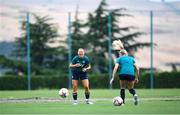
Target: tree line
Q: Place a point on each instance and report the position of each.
(94, 40)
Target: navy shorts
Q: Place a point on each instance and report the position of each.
(126, 77)
(79, 75)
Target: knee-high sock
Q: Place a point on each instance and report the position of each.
(122, 93)
(132, 91)
(87, 95)
(75, 96)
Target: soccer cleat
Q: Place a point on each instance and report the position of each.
(89, 102)
(75, 102)
(135, 99)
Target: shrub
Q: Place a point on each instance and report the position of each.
(161, 80)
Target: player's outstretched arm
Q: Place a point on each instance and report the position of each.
(114, 72)
(137, 73)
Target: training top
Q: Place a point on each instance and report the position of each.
(126, 65)
(84, 61)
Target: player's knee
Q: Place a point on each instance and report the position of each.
(75, 86)
(86, 88)
(130, 86)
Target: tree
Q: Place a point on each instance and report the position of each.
(42, 33)
(97, 37)
(16, 64)
(97, 34)
(78, 37)
(124, 33)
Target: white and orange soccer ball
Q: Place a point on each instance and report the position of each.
(63, 92)
(117, 101)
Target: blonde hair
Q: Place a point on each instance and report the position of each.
(117, 45)
(80, 49)
(123, 52)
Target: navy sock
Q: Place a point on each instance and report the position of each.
(132, 91)
(75, 96)
(122, 93)
(87, 95)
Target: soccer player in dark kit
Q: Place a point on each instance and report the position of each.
(80, 65)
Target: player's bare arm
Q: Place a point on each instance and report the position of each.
(114, 72)
(87, 68)
(137, 73)
(74, 65)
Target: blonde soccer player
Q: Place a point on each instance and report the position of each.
(80, 65)
(128, 74)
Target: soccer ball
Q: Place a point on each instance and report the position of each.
(117, 101)
(63, 92)
(117, 45)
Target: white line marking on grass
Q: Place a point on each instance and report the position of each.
(46, 100)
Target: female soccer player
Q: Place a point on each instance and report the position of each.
(80, 65)
(128, 74)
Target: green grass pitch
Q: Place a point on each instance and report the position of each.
(152, 101)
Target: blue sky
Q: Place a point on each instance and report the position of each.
(166, 24)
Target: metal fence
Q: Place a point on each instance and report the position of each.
(159, 27)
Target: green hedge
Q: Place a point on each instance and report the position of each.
(37, 82)
(161, 80)
(12, 83)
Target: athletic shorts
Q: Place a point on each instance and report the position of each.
(126, 77)
(79, 75)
